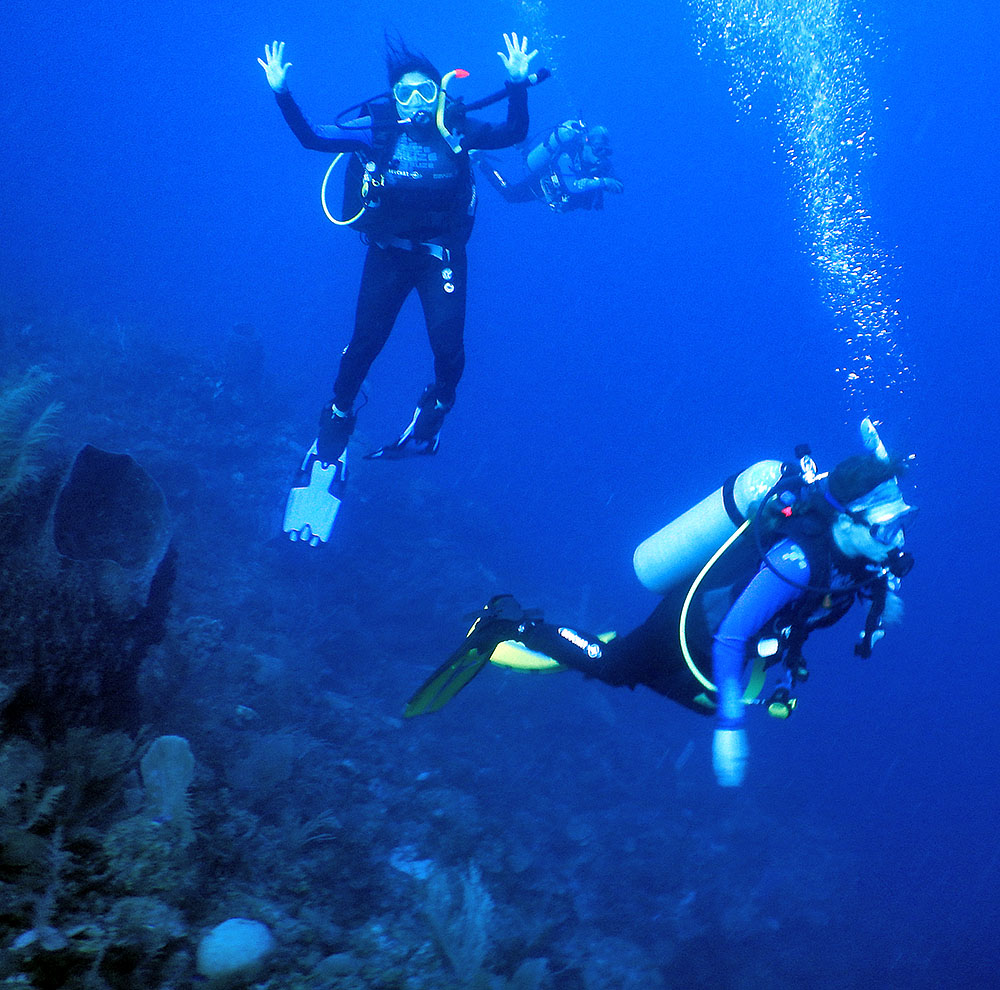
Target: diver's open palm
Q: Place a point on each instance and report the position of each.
(518, 59)
(273, 68)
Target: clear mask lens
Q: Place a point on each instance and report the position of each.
(889, 534)
(407, 94)
(892, 533)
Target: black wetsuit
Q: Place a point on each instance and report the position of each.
(739, 603)
(418, 234)
(563, 186)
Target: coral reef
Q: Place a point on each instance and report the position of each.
(527, 846)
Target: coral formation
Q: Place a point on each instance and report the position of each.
(167, 769)
(25, 429)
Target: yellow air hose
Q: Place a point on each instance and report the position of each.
(322, 196)
(757, 675)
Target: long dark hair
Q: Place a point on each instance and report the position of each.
(399, 59)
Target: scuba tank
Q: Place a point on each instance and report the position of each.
(541, 155)
(679, 549)
(676, 560)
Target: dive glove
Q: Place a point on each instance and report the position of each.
(729, 756)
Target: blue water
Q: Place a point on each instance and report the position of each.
(621, 365)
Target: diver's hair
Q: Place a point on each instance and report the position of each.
(400, 59)
(860, 474)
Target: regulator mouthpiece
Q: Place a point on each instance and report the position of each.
(900, 562)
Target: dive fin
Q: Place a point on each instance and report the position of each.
(446, 681)
(409, 442)
(489, 638)
(312, 508)
(516, 656)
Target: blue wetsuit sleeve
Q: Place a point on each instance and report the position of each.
(485, 136)
(317, 137)
(762, 598)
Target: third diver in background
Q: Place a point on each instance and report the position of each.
(569, 170)
(747, 575)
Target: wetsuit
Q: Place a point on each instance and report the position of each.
(564, 187)
(417, 239)
(731, 620)
(570, 185)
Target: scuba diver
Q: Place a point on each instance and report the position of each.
(747, 575)
(411, 178)
(569, 170)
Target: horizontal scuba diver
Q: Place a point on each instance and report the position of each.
(569, 170)
(413, 183)
(746, 575)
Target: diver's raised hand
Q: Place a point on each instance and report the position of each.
(517, 59)
(273, 68)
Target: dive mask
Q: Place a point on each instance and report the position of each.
(890, 533)
(407, 94)
(884, 511)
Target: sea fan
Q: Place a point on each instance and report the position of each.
(23, 430)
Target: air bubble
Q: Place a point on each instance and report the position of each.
(814, 53)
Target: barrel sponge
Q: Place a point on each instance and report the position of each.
(167, 770)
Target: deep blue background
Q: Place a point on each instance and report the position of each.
(621, 364)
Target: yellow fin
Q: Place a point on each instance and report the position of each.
(518, 657)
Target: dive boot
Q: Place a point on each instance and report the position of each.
(335, 429)
(423, 435)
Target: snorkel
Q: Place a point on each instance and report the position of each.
(872, 441)
(454, 140)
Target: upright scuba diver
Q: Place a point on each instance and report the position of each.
(569, 170)
(746, 575)
(411, 178)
